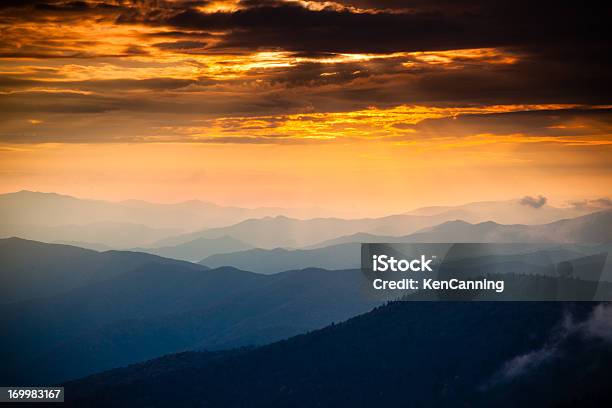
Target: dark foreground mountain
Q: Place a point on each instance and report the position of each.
(477, 354)
(157, 307)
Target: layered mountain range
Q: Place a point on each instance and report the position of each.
(193, 230)
(89, 286)
(70, 311)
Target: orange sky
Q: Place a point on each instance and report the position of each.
(170, 101)
(352, 179)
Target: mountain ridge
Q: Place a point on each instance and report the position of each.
(147, 306)
(344, 252)
(370, 360)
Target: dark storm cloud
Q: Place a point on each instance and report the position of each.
(180, 34)
(55, 5)
(418, 25)
(554, 123)
(467, 25)
(430, 5)
(532, 79)
(565, 57)
(60, 101)
(561, 56)
(313, 54)
(41, 9)
(101, 85)
(135, 50)
(311, 74)
(294, 28)
(202, 103)
(180, 45)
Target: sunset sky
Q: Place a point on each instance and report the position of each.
(379, 106)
